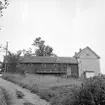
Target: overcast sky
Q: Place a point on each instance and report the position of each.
(66, 25)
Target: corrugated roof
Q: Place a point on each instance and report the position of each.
(66, 60)
(34, 59)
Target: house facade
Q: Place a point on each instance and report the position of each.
(88, 62)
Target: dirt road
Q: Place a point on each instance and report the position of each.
(29, 97)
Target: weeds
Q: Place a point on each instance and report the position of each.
(28, 103)
(6, 99)
(19, 94)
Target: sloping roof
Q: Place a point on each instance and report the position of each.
(78, 54)
(34, 59)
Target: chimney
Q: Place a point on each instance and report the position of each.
(75, 53)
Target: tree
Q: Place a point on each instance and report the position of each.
(13, 60)
(3, 5)
(41, 48)
(27, 52)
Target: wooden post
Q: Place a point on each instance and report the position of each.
(5, 69)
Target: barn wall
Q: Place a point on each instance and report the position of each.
(89, 65)
(54, 68)
(74, 69)
(33, 68)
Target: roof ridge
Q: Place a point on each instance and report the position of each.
(76, 55)
(50, 59)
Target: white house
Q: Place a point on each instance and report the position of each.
(89, 62)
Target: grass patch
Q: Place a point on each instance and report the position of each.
(47, 87)
(5, 98)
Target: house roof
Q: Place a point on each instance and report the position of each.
(34, 59)
(78, 54)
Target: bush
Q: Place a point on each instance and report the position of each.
(27, 103)
(91, 92)
(62, 94)
(34, 88)
(19, 94)
(75, 76)
(5, 98)
(46, 94)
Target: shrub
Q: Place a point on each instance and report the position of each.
(75, 76)
(46, 94)
(5, 98)
(34, 88)
(62, 94)
(91, 92)
(27, 103)
(19, 94)
(22, 85)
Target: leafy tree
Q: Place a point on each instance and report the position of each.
(13, 60)
(27, 52)
(3, 5)
(41, 48)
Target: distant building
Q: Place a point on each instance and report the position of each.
(50, 65)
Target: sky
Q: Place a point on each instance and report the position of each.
(65, 25)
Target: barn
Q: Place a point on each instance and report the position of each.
(49, 65)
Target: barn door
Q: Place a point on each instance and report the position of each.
(68, 70)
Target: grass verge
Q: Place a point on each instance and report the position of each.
(5, 98)
(47, 94)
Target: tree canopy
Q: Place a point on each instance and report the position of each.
(27, 52)
(3, 5)
(41, 49)
(13, 60)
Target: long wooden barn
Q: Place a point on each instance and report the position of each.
(49, 65)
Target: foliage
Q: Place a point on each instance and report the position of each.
(19, 94)
(13, 60)
(3, 5)
(27, 52)
(42, 49)
(91, 92)
(34, 88)
(46, 94)
(5, 98)
(72, 76)
(28, 103)
(56, 94)
(2, 67)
